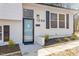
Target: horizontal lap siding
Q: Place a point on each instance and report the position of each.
(41, 30)
(15, 30)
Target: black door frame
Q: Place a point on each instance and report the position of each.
(25, 43)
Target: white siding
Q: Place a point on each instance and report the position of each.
(41, 10)
(11, 14)
(15, 30)
(12, 11)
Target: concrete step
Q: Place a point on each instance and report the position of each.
(31, 49)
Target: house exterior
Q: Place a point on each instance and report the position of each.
(26, 23)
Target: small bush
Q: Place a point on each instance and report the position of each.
(58, 40)
(73, 37)
(46, 37)
(11, 43)
(66, 39)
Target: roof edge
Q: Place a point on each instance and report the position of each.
(56, 6)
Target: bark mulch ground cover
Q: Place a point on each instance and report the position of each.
(53, 41)
(5, 49)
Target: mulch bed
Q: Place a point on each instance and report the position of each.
(53, 41)
(6, 49)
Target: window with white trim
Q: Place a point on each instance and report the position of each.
(61, 21)
(53, 20)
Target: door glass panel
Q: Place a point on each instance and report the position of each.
(28, 30)
(27, 13)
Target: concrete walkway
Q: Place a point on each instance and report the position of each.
(30, 50)
(58, 48)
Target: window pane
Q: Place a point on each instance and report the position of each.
(53, 24)
(61, 21)
(53, 20)
(53, 16)
(61, 17)
(67, 20)
(6, 32)
(27, 13)
(61, 24)
(0, 33)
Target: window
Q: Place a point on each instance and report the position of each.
(27, 13)
(67, 21)
(6, 33)
(47, 19)
(53, 20)
(61, 21)
(0, 33)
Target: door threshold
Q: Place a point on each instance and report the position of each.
(28, 43)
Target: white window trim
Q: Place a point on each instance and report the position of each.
(64, 19)
(50, 20)
(57, 21)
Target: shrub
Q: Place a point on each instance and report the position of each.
(73, 37)
(58, 40)
(46, 37)
(11, 43)
(66, 39)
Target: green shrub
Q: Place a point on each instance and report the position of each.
(11, 43)
(66, 39)
(58, 40)
(73, 37)
(46, 37)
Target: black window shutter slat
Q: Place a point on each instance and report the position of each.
(47, 19)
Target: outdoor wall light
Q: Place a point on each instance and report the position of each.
(38, 17)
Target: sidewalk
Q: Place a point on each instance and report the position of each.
(58, 48)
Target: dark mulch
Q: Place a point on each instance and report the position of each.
(53, 41)
(6, 49)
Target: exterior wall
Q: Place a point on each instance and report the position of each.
(15, 30)
(41, 30)
(12, 11)
(13, 17)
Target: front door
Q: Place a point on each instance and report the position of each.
(28, 34)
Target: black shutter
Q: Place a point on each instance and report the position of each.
(47, 19)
